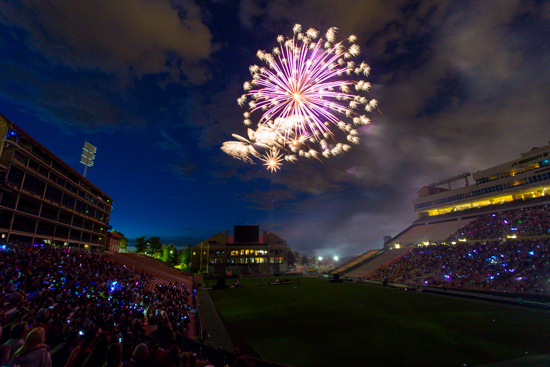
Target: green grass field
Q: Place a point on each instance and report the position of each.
(347, 324)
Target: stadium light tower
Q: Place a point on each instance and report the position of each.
(88, 156)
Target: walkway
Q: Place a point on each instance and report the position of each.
(217, 336)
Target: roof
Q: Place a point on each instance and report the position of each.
(114, 235)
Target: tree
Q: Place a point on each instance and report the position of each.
(141, 246)
(304, 260)
(164, 255)
(173, 257)
(296, 256)
(123, 241)
(290, 258)
(169, 254)
(154, 245)
(185, 258)
(180, 261)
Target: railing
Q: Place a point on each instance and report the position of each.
(220, 356)
(515, 299)
(511, 298)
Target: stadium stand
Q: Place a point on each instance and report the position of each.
(354, 262)
(433, 232)
(163, 274)
(368, 262)
(64, 291)
(78, 303)
(503, 252)
(519, 225)
(377, 261)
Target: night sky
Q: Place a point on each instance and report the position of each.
(461, 85)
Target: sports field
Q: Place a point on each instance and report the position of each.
(347, 324)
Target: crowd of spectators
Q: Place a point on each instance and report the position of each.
(510, 266)
(533, 221)
(506, 252)
(70, 309)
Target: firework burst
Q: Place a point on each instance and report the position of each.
(272, 160)
(309, 98)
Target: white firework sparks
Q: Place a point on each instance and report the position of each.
(272, 160)
(310, 84)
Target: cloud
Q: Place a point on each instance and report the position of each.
(269, 199)
(214, 115)
(185, 167)
(183, 170)
(169, 143)
(462, 86)
(85, 65)
(88, 103)
(359, 17)
(137, 37)
(343, 225)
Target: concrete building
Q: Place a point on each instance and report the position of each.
(245, 253)
(44, 200)
(113, 242)
(524, 178)
(442, 209)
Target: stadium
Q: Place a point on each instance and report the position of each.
(465, 284)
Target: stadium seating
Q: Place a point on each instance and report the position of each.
(506, 251)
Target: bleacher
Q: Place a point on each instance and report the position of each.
(368, 262)
(431, 232)
(354, 262)
(375, 262)
(424, 230)
(163, 274)
(503, 251)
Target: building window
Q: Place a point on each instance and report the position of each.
(15, 176)
(33, 165)
(20, 158)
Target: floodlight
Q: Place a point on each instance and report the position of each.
(88, 156)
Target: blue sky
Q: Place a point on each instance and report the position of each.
(154, 85)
